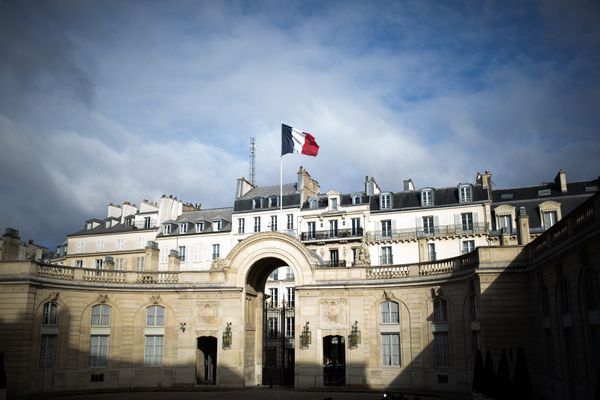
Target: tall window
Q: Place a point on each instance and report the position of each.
(182, 253)
(465, 193)
(49, 336)
(386, 228)
(155, 316)
(154, 336)
(119, 262)
(291, 296)
(99, 263)
(333, 228)
(216, 251)
(183, 228)
(274, 293)
(199, 226)
(256, 224)
(468, 246)
(386, 255)
(311, 230)
(549, 218)
(467, 221)
(273, 201)
(50, 315)
(440, 310)
(356, 231)
(385, 201)
(390, 334)
(313, 202)
(333, 203)
(505, 223)
(334, 258)
(290, 323)
(440, 334)
(218, 225)
(426, 197)
(274, 222)
(428, 227)
(273, 324)
(241, 225)
(99, 338)
(79, 263)
(167, 229)
(290, 221)
(139, 263)
(431, 251)
(147, 223)
(120, 244)
(256, 203)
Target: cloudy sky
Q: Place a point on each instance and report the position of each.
(105, 101)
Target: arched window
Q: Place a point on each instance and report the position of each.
(154, 335)
(50, 316)
(99, 335)
(390, 334)
(440, 332)
(49, 335)
(440, 310)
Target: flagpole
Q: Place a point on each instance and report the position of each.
(281, 177)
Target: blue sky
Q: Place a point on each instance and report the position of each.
(106, 101)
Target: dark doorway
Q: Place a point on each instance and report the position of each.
(334, 361)
(278, 343)
(206, 360)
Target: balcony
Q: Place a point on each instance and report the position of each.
(432, 232)
(335, 263)
(146, 224)
(331, 235)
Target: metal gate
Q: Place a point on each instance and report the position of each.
(278, 343)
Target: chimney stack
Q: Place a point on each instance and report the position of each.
(561, 180)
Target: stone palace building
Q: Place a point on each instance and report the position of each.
(380, 289)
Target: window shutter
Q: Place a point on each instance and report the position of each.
(475, 218)
(436, 221)
(457, 219)
(419, 222)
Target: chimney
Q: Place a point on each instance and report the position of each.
(151, 258)
(10, 245)
(306, 185)
(523, 226)
(242, 187)
(409, 186)
(174, 261)
(113, 211)
(371, 187)
(561, 180)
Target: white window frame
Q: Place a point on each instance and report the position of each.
(183, 228)
(385, 201)
(241, 225)
(257, 224)
(427, 197)
(181, 251)
(274, 222)
(465, 193)
(290, 221)
(216, 251)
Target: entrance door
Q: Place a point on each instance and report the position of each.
(278, 343)
(206, 360)
(334, 361)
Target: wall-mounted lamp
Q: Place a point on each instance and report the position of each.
(305, 337)
(354, 337)
(182, 326)
(227, 337)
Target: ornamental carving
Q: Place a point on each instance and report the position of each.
(208, 312)
(54, 296)
(363, 256)
(436, 291)
(219, 264)
(155, 299)
(102, 298)
(334, 311)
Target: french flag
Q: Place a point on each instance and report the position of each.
(294, 140)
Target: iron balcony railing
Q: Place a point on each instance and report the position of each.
(335, 263)
(434, 231)
(332, 234)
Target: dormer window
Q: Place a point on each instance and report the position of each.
(166, 229)
(356, 200)
(129, 221)
(183, 228)
(313, 202)
(199, 226)
(274, 201)
(465, 193)
(217, 225)
(333, 203)
(88, 226)
(426, 197)
(385, 201)
(256, 203)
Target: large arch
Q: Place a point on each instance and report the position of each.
(250, 263)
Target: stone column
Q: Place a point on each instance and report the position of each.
(523, 226)
(151, 257)
(174, 261)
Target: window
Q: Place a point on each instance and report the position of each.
(99, 263)
(119, 264)
(273, 328)
(120, 244)
(256, 224)
(386, 228)
(334, 257)
(155, 316)
(505, 223)
(142, 242)
(147, 224)
(356, 200)
(311, 230)
(199, 226)
(79, 263)
(426, 197)
(563, 293)
(355, 255)
(473, 307)
(274, 222)
(592, 290)
(274, 201)
(431, 251)
(390, 349)
(442, 351)
(389, 313)
(241, 225)
(313, 202)
(256, 203)
(218, 225)
(386, 255)
(216, 251)
(356, 231)
(47, 351)
(291, 296)
(467, 221)
(549, 218)
(333, 228)
(290, 221)
(182, 253)
(274, 292)
(333, 203)
(183, 228)
(428, 227)
(99, 350)
(50, 315)
(153, 350)
(385, 201)
(468, 246)
(167, 229)
(101, 315)
(80, 247)
(440, 310)
(99, 245)
(290, 327)
(464, 193)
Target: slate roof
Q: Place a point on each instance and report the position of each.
(442, 197)
(266, 191)
(102, 229)
(208, 215)
(291, 198)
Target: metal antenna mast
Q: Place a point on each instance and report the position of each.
(252, 159)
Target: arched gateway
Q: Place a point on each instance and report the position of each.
(250, 262)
